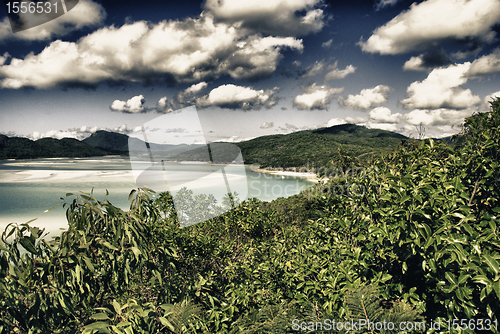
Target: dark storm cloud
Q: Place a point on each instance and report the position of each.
(428, 61)
(278, 18)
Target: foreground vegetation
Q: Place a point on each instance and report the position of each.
(416, 238)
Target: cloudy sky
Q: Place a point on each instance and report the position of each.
(251, 68)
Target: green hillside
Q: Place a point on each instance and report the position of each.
(24, 148)
(319, 147)
(110, 142)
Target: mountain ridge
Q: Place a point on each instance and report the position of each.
(24, 148)
(307, 147)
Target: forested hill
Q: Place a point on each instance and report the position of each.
(110, 142)
(24, 148)
(117, 143)
(319, 147)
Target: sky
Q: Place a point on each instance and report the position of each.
(250, 68)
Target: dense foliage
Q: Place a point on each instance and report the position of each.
(415, 237)
(24, 148)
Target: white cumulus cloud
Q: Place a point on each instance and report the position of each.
(267, 125)
(441, 89)
(133, 106)
(437, 117)
(238, 97)
(383, 115)
(335, 74)
(327, 44)
(384, 3)
(367, 97)
(435, 21)
(335, 121)
(316, 97)
(356, 120)
(383, 126)
(485, 65)
(77, 133)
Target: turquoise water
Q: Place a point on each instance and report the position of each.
(29, 187)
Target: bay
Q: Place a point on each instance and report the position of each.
(28, 188)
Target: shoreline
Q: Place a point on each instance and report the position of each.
(312, 177)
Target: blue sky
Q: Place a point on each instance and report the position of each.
(251, 68)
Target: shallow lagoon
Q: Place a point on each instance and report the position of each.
(29, 187)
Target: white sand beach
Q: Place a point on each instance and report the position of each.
(312, 177)
(58, 175)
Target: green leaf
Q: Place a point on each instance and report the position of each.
(117, 307)
(483, 294)
(27, 243)
(460, 294)
(450, 277)
(100, 316)
(167, 323)
(385, 278)
(463, 278)
(468, 228)
(482, 279)
(100, 326)
(88, 263)
(55, 206)
(427, 229)
(429, 242)
(136, 252)
(496, 287)
(405, 267)
(123, 324)
(492, 263)
(404, 199)
(78, 272)
(423, 213)
(167, 307)
(110, 246)
(132, 192)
